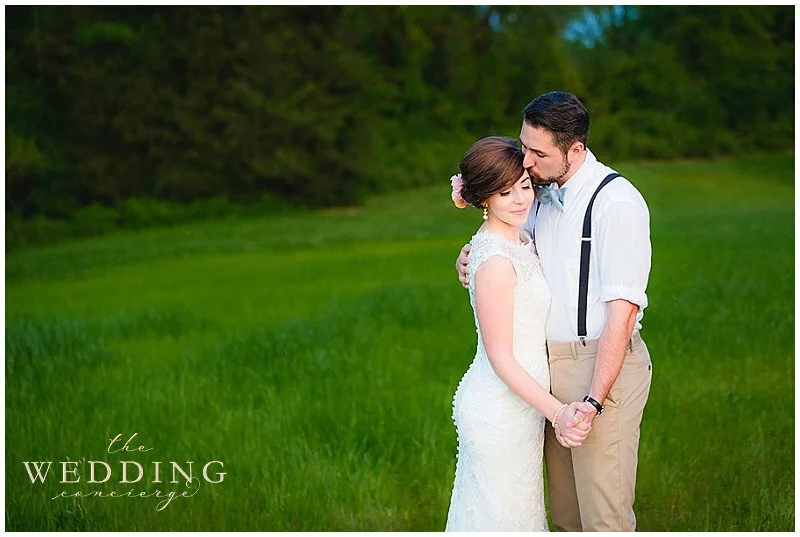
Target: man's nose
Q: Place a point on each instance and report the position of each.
(529, 160)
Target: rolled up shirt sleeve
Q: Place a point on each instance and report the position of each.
(624, 252)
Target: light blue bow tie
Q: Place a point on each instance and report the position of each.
(547, 194)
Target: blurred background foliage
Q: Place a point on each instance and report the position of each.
(134, 116)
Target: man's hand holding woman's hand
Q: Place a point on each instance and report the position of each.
(574, 424)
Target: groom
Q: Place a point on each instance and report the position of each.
(594, 245)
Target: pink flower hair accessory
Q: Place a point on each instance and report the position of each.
(458, 184)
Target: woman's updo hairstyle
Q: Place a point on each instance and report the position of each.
(491, 165)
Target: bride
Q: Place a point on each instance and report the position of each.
(502, 402)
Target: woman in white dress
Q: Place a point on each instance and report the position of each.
(503, 401)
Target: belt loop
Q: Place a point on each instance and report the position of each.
(573, 347)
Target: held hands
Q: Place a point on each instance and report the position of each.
(585, 412)
(574, 424)
(461, 266)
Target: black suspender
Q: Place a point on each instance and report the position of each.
(586, 248)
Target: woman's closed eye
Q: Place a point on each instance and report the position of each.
(526, 187)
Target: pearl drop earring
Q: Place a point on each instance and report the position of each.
(485, 213)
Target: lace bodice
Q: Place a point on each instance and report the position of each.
(531, 298)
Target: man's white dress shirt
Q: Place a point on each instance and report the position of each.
(620, 254)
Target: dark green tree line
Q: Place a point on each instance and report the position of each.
(322, 105)
(673, 81)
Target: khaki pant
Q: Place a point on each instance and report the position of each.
(592, 487)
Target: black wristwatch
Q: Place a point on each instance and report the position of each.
(591, 401)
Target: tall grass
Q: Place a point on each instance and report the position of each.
(316, 355)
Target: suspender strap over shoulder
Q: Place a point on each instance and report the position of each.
(586, 249)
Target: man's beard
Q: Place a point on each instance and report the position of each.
(537, 179)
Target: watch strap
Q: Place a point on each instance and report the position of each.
(594, 403)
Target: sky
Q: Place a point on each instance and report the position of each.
(588, 29)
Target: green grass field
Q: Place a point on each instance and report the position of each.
(316, 356)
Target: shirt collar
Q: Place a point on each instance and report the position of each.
(575, 183)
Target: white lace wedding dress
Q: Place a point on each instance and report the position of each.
(499, 483)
